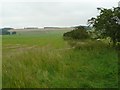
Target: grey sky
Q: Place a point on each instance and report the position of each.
(40, 14)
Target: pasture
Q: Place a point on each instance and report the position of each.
(42, 59)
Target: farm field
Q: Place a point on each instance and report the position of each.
(44, 60)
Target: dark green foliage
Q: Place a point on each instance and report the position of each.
(78, 33)
(4, 31)
(108, 23)
(14, 32)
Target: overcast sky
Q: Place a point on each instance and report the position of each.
(40, 14)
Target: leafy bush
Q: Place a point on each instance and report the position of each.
(77, 33)
(4, 31)
(107, 23)
(13, 32)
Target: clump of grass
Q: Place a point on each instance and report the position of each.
(87, 44)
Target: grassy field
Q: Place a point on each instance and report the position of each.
(0, 61)
(45, 60)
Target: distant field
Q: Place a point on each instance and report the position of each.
(40, 38)
(42, 59)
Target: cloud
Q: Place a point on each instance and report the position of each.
(21, 14)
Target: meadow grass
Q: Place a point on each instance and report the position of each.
(53, 64)
(0, 61)
(53, 38)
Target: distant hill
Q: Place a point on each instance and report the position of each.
(58, 28)
(31, 28)
(85, 27)
(51, 27)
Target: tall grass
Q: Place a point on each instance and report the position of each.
(0, 61)
(50, 67)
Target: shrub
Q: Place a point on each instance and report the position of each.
(78, 33)
(13, 32)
